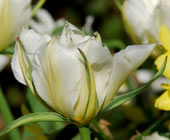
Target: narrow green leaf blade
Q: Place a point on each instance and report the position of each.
(36, 106)
(34, 117)
(7, 116)
(125, 97)
(153, 127)
(39, 4)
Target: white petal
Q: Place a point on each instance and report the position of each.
(101, 62)
(44, 22)
(154, 136)
(156, 85)
(144, 75)
(124, 62)
(143, 16)
(31, 41)
(16, 68)
(72, 36)
(161, 15)
(4, 60)
(21, 14)
(60, 22)
(13, 14)
(56, 75)
(89, 20)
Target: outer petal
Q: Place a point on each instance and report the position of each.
(4, 60)
(56, 75)
(124, 62)
(45, 23)
(143, 16)
(101, 62)
(31, 41)
(159, 61)
(163, 102)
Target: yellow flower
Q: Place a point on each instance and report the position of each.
(163, 102)
(165, 41)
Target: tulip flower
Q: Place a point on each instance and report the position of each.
(13, 14)
(45, 23)
(74, 74)
(144, 18)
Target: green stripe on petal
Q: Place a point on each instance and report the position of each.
(25, 69)
(92, 102)
(27, 73)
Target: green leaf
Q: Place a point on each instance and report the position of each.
(57, 30)
(84, 133)
(8, 51)
(115, 44)
(39, 4)
(36, 106)
(7, 116)
(33, 130)
(118, 4)
(155, 125)
(35, 117)
(125, 97)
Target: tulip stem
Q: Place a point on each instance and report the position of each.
(84, 133)
(149, 130)
(7, 116)
(101, 133)
(37, 7)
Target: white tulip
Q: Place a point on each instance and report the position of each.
(60, 78)
(144, 18)
(13, 14)
(45, 23)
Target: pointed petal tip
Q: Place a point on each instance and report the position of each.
(148, 46)
(144, 48)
